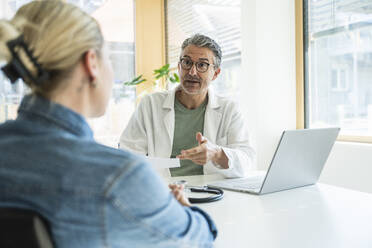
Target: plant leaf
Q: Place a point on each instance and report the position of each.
(141, 81)
(135, 81)
(172, 80)
(176, 77)
(137, 78)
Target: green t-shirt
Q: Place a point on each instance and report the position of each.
(187, 123)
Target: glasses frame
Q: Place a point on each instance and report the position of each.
(194, 63)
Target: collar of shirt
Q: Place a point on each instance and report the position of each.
(37, 107)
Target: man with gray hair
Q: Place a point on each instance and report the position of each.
(205, 131)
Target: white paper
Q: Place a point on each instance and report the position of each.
(163, 163)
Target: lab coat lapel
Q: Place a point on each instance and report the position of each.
(212, 118)
(168, 108)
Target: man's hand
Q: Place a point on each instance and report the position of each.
(205, 152)
(177, 191)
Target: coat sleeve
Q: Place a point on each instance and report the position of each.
(134, 136)
(237, 147)
(141, 212)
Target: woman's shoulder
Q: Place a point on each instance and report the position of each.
(102, 163)
(110, 155)
(121, 166)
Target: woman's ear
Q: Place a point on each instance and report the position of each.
(91, 65)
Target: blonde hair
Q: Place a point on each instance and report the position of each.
(57, 33)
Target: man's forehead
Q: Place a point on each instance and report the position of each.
(197, 53)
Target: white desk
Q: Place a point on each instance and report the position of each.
(318, 216)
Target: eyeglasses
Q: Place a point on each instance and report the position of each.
(187, 64)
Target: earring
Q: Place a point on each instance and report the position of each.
(94, 83)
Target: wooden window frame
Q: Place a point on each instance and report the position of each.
(150, 41)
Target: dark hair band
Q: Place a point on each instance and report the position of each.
(16, 69)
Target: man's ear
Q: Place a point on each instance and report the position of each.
(216, 73)
(179, 68)
(90, 64)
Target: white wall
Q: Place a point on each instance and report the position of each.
(268, 92)
(5, 11)
(349, 165)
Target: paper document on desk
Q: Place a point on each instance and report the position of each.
(164, 163)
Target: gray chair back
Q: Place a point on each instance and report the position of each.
(23, 228)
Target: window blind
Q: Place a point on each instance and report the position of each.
(218, 19)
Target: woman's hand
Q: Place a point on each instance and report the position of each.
(177, 191)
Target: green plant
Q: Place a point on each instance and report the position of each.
(162, 72)
(135, 81)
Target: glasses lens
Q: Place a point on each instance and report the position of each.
(202, 66)
(186, 64)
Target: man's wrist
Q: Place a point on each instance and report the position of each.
(220, 159)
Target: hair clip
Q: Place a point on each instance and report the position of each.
(15, 69)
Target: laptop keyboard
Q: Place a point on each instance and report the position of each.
(241, 183)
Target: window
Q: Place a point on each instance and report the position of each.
(339, 79)
(185, 18)
(116, 18)
(338, 65)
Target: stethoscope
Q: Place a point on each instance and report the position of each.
(217, 194)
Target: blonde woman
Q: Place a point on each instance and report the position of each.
(91, 195)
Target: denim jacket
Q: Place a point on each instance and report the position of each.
(91, 195)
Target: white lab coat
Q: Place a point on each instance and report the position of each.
(150, 131)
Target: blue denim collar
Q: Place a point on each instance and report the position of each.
(35, 106)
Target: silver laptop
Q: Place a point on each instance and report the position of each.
(298, 161)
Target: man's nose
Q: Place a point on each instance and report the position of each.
(193, 70)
